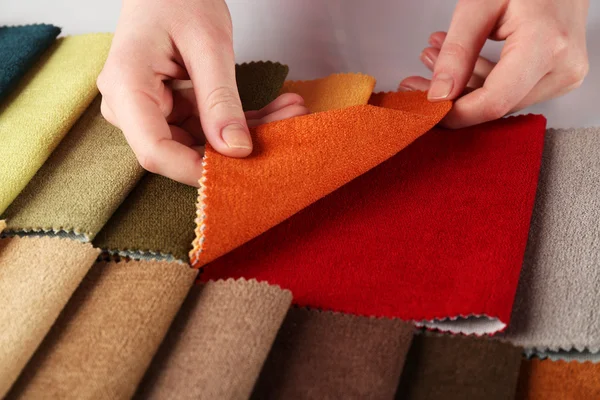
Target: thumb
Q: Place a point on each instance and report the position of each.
(210, 62)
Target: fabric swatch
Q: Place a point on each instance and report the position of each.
(557, 306)
(81, 184)
(565, 355)
(218, 342)
(20, 48)
(287, 156)
(46, 104)
(459, 367)
(37, 278)
(333, 92)
(327, 355)
(155, 220)
(436, 234)
(259, 82)
(558, 380)
(109, 330)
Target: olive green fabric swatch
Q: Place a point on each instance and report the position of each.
(104, 340)
(459, 367)
(82, 183)
(259, 82)
(156, 220)
(37, 278)
(328, 355)
(218, 343)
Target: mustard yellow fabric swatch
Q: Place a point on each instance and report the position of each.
(333, 92)
(38, 275)
(81, 184)
(39, 113)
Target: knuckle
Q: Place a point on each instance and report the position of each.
(148, 161)
(496, 109)
(559, 43)
(577, 72)
(223, 96)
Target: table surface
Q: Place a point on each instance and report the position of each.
(382, 38)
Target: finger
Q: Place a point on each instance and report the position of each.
(436, 39)
(414, 83)
(290, 111)
(107, 113)
(482, 68)
(210, 62)
(280, 102)
(461, 47)
(151, 138)
(522, 65)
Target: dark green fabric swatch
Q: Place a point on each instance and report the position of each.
(259, 82)
(156, 220)
(20, 48)
(459, 367)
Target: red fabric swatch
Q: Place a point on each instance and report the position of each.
(437, 231)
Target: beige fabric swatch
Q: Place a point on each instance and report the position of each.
(557, 305)
(326, 355)
(218, 342)
(38, 275)
(82, 183)
(104, 340)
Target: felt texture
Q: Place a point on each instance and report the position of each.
(106, 336)
(459, 367)
(329, 355)
(156, 219)
(259, 82)
(37, 278)
(558, 380)
(437, 231)
(333, 92)
(218, 342)
(81, 184)
(557, 306)
(295, 162)
(20, 48)
(40, 112)
(2, 225)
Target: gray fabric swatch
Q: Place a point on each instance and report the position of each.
(557, 306)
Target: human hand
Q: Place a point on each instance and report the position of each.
(544, 56)
(157, 45)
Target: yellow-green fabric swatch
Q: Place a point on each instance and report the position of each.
(81, 184)
(39, 113)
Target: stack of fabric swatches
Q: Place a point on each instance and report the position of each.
(360, 252)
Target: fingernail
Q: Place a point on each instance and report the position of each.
(236, 137)
(405, 88)
(428, 61)
(441, 87)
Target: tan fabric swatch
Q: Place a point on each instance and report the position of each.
(2, 225)
(82, 183)
(156, 219)
(459, 367)
(38, 275)
(106, 336)
(329, 355)
(558, 380)
(218, 342)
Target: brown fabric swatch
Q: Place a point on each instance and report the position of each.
(459, 367)
(558, 380)
(259, 82)
(102, 343)
(328, 355)
(156, 220)
(81, 184)
(38, 275)
(218, 342)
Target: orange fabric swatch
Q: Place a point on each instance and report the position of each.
(332, 92)
(296, 162)
(558, 380)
